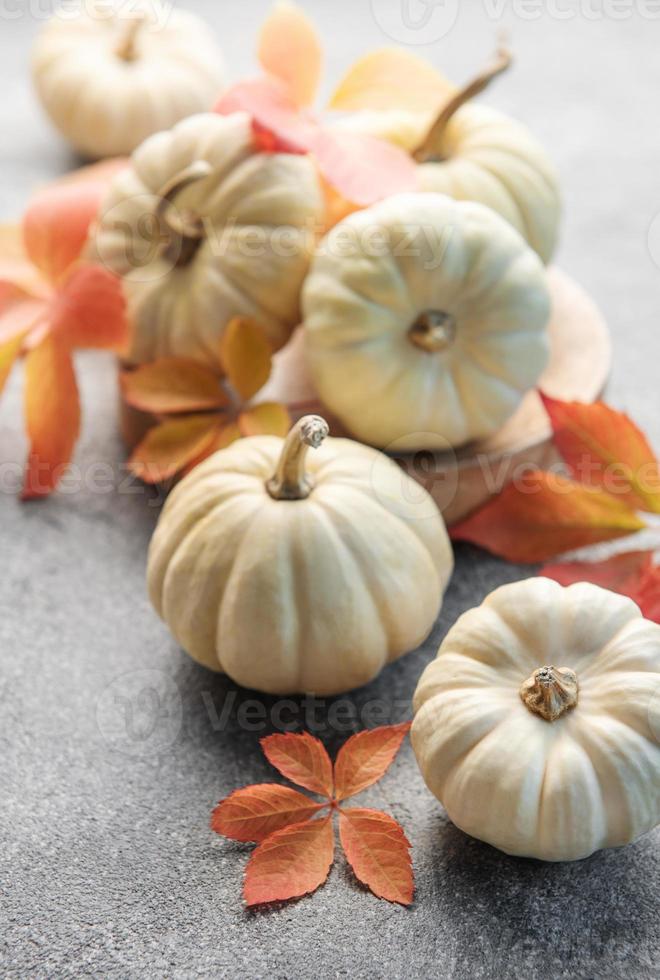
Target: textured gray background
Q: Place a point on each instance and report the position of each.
(109, 868)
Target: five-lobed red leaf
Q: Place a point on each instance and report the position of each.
(366, 757)
(290, 863)
(362, 168)
(302, 759)
(604, 448)
(255, 812)
(379, 853)
(544, 515)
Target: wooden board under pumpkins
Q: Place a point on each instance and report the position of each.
(580, 359)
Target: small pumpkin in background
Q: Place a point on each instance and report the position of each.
(538, 724)
(109, 74)
(471, 152)
(295, 573)
(425, 321)
(203, 228)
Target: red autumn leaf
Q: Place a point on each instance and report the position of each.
(379, 853)
(246, 356)
(171, 385)
(363, 169)
(290, 49)
(546, 514)
(620, 573)
(253, 813)
(273, 112)
(647, 595)
(604, 448)
(52, 412)
(168, 446)
(90, 310)
(366, 757)
(290, 863)
(632, 574)
(302, 759)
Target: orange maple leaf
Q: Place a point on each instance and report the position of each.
(52, 302)
(200, 410)
(295, 845)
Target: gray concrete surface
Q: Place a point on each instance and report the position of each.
(115, 746)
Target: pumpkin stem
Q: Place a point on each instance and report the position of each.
(433, 331)
(126, 48)
(427, 150)
(185, 229)
(550, 691)
(290, 481)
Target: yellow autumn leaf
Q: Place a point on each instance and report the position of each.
(269, 418)
(391, 78)
(169, 446)
(246, 356)
(290, 49)
(173, 384)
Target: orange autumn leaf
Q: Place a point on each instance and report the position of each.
(392, 78)
(366, 757)
(302, 759)
(268, 418)
(224, 437)
(246, 356)
(604, 448)
(56, 224)
(168, 446)
(253, 813)
(379, 853)
(290, 49)
(9, 351)
(290, 863)
(543, 515)
(89, 311)
(52, 412)
(16, 270)
(171, 385)
(632, 574)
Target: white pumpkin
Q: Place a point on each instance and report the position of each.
(474, 153)
(110, 74)
(298, 575)
(202, 227)
(538, 724)
(425, 321)
(481, 155)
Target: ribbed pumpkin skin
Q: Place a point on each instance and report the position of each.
(359, 303)
(555, 790)
(106, 106)
(313, 595)
(484, 156)
(260, 211)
